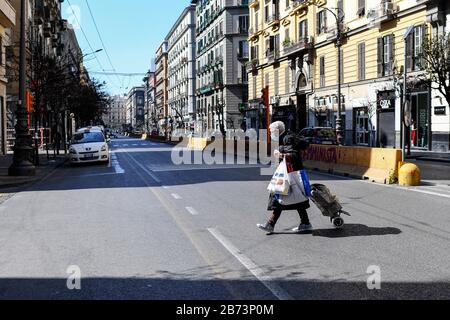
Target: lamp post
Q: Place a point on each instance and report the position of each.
(23, 150)
(339, 16)
(404, 96)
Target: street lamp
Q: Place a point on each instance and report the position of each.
(339, 37)
(404, 102)
(91, 53)
(22, 159)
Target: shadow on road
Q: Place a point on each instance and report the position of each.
(189, 289)
(349, 230)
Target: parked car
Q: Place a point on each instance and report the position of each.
(89, 146)
(319, 135)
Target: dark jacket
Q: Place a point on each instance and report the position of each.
(291, 145)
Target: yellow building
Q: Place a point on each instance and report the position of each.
(293, 51)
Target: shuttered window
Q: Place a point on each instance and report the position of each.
(276, 82)
(322, 72)
(362, 61)
(361, 8)
(385, 56)
(287, 80)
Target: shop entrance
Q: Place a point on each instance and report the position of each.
(420, 127)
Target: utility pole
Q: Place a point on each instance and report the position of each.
(22, 160)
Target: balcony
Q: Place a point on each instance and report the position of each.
(272, 56)
(382, 13)
(292, 47)
(7, 14)
(252, 65)
(273, 19)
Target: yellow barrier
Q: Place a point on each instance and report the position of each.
(197, 143)
(375, 164)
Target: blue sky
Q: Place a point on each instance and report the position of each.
(131, 31)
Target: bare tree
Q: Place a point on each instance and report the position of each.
(436, 58)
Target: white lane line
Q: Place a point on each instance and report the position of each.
(176, 196)
(192, 211)
(157, 180)
(166, 187)
(428, 192)
(115, 163)
(383, 185)
(251, 266)
(205, 168)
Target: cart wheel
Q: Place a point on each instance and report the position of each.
(338, 222)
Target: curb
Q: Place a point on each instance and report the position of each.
(34, 180)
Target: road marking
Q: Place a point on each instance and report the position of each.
(157, 180)
(192, 211)
(176, 196)
(251, 266)
(204, 168)
(428, 192)
(385, 185)
(166, 187)
(115, 163)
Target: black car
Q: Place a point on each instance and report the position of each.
(319, 135)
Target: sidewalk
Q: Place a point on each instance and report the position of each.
(46, 167)
(430, 156)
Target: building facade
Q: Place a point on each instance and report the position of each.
(151, 120)
(135, 109)
(294, 54)
(181, 70)
(7, 22)
(439, 16)
(222, 52)
(161, 77)
(115, 118)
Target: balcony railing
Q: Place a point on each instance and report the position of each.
(292, 47)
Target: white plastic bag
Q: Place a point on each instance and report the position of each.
(280, 180)
(297, 193)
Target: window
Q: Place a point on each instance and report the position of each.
(385, 59)
(361, 8)
(243, 24)
(321, 22)
(287, 80)
(303, 29)
(277, 82)
(267, 11)
(362, 61)
(414, 45)
(322, 72)
(255, 52)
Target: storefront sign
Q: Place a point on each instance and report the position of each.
(386, 100)
(440, 111)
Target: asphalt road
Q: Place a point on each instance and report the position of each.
(144, 228)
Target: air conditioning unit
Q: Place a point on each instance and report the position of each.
(389, 8)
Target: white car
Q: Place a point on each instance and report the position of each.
(89, 146)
